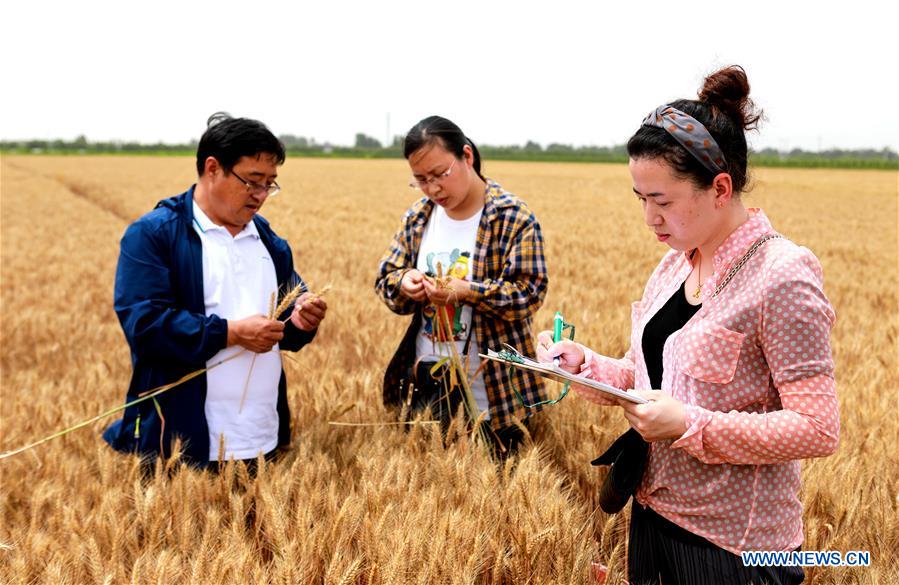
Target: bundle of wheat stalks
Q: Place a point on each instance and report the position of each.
(393, 503)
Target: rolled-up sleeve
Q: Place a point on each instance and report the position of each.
(614, 372)
(794, 333)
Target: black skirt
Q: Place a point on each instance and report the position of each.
(661, 552)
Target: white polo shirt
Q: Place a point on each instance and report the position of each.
(238, 281)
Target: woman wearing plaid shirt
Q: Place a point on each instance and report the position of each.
(490, 245)
(731, 346)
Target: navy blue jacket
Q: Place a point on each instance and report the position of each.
(160, 303)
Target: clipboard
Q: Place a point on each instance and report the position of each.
(551, 372)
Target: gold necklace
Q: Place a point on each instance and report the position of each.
(698, 279)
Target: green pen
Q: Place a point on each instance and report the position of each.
(558, 325)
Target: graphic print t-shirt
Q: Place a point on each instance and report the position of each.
(451, 244)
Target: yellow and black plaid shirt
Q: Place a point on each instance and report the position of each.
(508, 282)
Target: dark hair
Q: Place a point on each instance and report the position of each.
(228, 139)
(438, 130)
(726, 111)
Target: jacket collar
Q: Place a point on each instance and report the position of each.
(189, 204)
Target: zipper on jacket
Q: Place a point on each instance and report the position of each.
(137, 428)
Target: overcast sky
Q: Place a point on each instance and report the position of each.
(506, 72)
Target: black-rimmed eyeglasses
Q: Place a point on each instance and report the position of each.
(252, 187)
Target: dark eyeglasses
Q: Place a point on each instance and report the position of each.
(252, 187)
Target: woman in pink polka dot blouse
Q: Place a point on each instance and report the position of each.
(731, 345)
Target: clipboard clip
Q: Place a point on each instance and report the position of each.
(511, 354)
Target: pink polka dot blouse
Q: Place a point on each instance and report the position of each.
(754, 370)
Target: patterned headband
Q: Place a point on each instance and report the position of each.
(691, 134)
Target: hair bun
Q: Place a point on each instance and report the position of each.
(727, 90)
(217, 118)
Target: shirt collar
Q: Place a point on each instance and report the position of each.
(496, 198)
(736, 244)
(731, 249)
(202, 221)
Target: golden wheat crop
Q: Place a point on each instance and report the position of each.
(377, 504)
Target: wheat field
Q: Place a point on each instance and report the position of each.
(375, 504)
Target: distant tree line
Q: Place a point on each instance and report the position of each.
(366, 146)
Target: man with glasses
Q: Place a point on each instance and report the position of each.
(196, 280)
